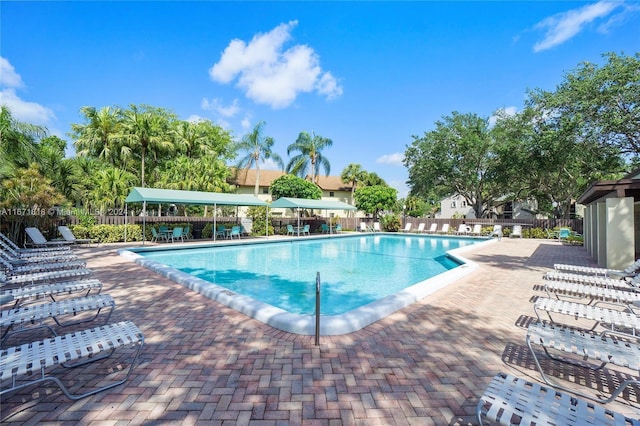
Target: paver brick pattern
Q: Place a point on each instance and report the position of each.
(204, 363)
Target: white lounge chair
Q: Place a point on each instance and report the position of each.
(68, 236)
(364, 227)
(618, 321)
(407, 227)
(27, 364)
(629, 271)
(29, 317)
(433, 228)
(444, 229)
(376, 227)
(16, 260)
(30, 268)
(420, 229)
(44, 277)
(19, 294)
(593, 292)
(40, 241)
(497, 231)
(631, 285)
(516, 231)
(589, 347)
(508, 397)
(462, 229)
(477, 230)
(23, 253)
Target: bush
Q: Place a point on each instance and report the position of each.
(391, 223)
(258, 215)
(110, 233)
(534, 233)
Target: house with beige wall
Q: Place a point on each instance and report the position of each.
(333, 189)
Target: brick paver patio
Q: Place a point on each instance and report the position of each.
(204, 363)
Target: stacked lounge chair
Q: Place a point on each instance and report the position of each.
(629, 284)
(510, 400)
(23, 253)
(629, 271)
(32, 267)
(30, 278)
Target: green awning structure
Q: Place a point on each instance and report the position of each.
(155, 195)
(177, 196)
(302, 203)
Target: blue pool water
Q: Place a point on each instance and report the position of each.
(354, 271)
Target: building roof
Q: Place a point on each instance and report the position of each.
(628, 186)
(247, 177)
(333, 183)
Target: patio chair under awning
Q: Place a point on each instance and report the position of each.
(304, 203)
(157, 195)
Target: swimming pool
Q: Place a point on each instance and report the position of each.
(360, 275)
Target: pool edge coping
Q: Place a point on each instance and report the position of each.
(330, 325)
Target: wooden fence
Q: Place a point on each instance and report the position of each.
(199, 223)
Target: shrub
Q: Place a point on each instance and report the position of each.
(258, 215)
(534, 233)
(391, 223)
(109, 233)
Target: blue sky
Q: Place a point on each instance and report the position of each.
(367, 75)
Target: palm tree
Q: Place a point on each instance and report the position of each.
(310, 159)
(258, 149)
(17, 142)
(352, 174)
(101, 136)
(145, 131)
(111, 187)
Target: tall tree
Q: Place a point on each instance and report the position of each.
(310, 158)
(458, 157)
(18, 142)
(352, 174)
(294, 186)
(546, 158)
(376, 198)
(101, 135)
(603, 102)
(110, 188)
(145, 131)
(257, 148)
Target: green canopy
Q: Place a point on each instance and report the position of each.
(155, 195)
(303, 203)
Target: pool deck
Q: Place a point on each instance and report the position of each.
(426, 364)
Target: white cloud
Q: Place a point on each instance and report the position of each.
(269, 164)
(508, 112)
(8, 75)
(394, 159)
(400, 186)
(195, 118)
(219, 108)
(29, 112)
(564, 26)
(246, 123)
(270, 74)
